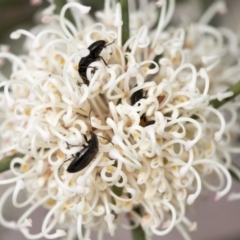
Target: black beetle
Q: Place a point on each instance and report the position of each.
(94, 55)
(82, 158)
(85, 156)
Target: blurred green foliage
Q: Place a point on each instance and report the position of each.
(14, 13)
(20, 13)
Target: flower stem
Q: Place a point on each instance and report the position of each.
(138, 233)
(235, 89)
(125, 18)
(5, 162)
(59, 4)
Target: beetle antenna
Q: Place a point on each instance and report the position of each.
(105, 138)
(96, 134)
(110, 43)
(90, 118)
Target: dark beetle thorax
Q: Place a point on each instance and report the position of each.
(83, 158)
(94, 55)
(96, 48)
(93, 142)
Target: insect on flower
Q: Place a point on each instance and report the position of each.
(145, 103)
(82, 158)
(85, 156)
(95, 49)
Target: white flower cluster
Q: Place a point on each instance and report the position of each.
(159, 138)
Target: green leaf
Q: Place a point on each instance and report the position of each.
(5, 162)
(125, 19)
(59, 4)
(138, 233)
(235, 89)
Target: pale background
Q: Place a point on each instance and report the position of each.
(216, 220)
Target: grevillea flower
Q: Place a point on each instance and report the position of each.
(159, 137)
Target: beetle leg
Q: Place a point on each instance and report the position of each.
(64, 162)
(85, 80)
(100, 57)
(68, 145)
(85, 138)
